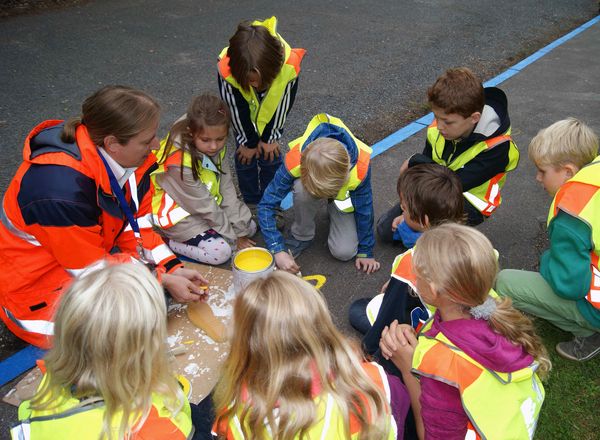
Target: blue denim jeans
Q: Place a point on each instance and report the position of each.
(254, 178)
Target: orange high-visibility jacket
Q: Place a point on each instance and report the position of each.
(58, 217)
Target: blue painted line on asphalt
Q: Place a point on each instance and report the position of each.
(19, 363)
(406, 132)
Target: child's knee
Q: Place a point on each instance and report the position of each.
(223, 253)
(343, 251)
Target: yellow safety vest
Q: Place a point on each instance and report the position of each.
(580, 198)
(357, 173)
(329, 418)
(74, 419)
(402, 270)
(499, 405)
(261, 112)
(165, 211)
(485, 197)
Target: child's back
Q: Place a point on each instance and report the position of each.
(291, 374)
(108, 372)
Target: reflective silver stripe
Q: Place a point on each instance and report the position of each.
(470, 435)
(145, 221)
(343, 205)
(21, 431)
(158, 254)
(327, 418)
(178, 214)
(13, 229)
(89, 268)
(476, 201)
(32, 325)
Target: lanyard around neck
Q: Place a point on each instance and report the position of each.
(125, 208)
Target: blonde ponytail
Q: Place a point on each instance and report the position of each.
(519, 329)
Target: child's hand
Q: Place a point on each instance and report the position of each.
(404, 166)
(269, 151)
(368, 265)
(286, 262)
(245, 155)
(244, 242)
(385, 286)
(407, 340)
(388, 342)
(396, 222)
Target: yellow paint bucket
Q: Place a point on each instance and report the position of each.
(249, 264)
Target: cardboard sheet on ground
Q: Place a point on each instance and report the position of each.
(201, 362)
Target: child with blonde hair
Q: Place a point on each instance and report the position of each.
(473, 368)
(327, 162)
(195, 203)
(291, 374)
(108, 373)
(566, 290)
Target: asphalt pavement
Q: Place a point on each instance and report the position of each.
(368, 63)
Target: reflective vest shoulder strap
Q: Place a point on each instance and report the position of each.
(292, 160)
(492, 142)
(402, 269)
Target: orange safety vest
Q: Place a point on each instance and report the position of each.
(580, 198)
(39, 261)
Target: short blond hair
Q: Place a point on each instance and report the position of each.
(566, 141)
(110, 342)
(324, 167)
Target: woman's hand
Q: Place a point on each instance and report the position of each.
(184, 285)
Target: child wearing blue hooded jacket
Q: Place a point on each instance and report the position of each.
(326, 162)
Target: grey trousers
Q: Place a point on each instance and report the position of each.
(342, 240)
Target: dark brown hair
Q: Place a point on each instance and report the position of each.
(254, 49)
(457, 91)
(204, 110)
(434, 191)
(119, 111)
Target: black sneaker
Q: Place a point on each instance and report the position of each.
(580, 348)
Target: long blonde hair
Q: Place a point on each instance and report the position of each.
(110, 343)
(283, 336)
(460, 262)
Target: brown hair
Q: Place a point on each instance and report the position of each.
(325, 164)
(458, 91)
(254, 49)
(119, 111)
(434, 191)
(461, 263)
(204, 110)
